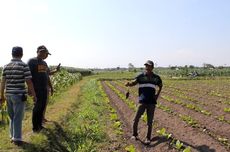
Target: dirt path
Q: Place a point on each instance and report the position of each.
(199, 141)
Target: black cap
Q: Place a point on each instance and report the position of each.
(17, 51)
(149, 62)
(43, 48)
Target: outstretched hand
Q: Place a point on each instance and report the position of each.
(127, 93)
(127, 84)
(58, 67)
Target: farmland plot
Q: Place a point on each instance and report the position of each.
(194, 112)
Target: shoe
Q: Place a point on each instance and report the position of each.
(134, 138)
(18, 142)
(37, 130)
(147, 141)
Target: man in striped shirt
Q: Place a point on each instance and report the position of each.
(150, 86)
(14, 76)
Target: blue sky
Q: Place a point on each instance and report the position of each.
(112, 33)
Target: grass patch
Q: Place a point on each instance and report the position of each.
(83, 129)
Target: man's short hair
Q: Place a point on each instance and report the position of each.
(17, 51)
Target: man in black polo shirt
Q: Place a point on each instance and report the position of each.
(40, 78)
(148, 95)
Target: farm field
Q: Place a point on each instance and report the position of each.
(195, 112)
(191, 115)
(115, 76)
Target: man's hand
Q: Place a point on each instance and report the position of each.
(156, 97)
(131, 83)
(30, 93)
(2, 100)
(51, 91)
(58, 67)
(33, 96)
(127, 84)
(34, 99)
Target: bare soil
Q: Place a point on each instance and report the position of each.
(193, 137)
(126, 116)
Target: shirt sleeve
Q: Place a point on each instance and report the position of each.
(48, 70)
(32, 66)
(27, 73)
(137, 78)
(159, 81)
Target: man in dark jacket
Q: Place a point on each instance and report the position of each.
(150, 86)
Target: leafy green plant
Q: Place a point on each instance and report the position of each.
(130, 148)
(113, 117)
(162, 132)
(223, 140)
(179, 144)
(189, 120)
(206, 112)
(64, 79)
(117, 124)
(4, 114)
(164, 108)
(144, 117)
(226, 109)
(187, 149)
(221, 118)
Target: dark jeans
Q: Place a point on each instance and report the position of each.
(150, 108)
(39, 108)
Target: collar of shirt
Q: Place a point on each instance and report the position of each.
(148, 74)
(16, 59)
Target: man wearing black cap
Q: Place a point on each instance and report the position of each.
(40, 78)
(150, 86)
(14, 76)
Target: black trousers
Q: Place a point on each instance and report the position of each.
(150, 109)
(39, 108)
